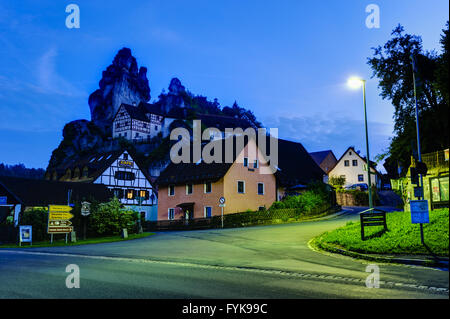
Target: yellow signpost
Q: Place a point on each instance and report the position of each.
(58, 220)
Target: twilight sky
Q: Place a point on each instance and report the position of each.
(287, 61)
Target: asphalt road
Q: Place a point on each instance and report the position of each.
(254, 262)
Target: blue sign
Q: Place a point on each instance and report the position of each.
(419, 212)
(3, 200)
(25, 234)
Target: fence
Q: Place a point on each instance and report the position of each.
(436, 159)
(264, 217)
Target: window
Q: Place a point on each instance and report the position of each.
(118, 192)
(245, 161)
(241, 187)
(350, 153)
(125, 156)
(260, 188)
(355, 162)
(156, 127)
(262, 208)
(255, 164)
(171, 190)
(126, 176)
(144, 194)
(208, 211)
(346, 163)
(130, 193)
(171, 213)
(361, 178)
(188, 189)
(208, 187)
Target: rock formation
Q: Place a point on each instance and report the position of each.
(122, 82)
(174, 98)
(78, 136)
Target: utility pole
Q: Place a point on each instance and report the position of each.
(419, 153)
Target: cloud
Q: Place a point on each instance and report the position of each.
(319, 133)
(48, 79)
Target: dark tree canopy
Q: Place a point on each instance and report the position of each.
(392, 65)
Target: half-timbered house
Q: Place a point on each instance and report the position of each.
(122, 174)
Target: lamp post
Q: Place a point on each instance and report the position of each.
(356, 83)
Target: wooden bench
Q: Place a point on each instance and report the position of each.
(372, 217)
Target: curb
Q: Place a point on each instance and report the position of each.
(427, 262)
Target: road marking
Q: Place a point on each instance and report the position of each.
(237, 268)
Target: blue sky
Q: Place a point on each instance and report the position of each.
(287, 61)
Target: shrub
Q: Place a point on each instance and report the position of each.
(37, 218)
(110, 218)
(337, 181)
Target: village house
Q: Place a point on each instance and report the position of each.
(22, 194)
(353, 168)
(296, 169)
(325, 159)
(192, 190)
(118, 171)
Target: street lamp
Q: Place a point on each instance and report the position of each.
(355, 83)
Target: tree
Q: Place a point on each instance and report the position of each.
(392, 65)
(337, 181)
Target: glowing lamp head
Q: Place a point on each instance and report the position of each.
(355, 82)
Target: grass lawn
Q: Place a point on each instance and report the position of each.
(402, 237)
(60, 241)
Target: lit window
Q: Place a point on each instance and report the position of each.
(143, 194)
(130, 194)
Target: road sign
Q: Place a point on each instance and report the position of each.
(221, 205)
(3, 200)
(59, 216)
(59, 208)
(60, 230)
(85, 208)
(418, 191)
(58, 219)
(419, 211)
(222, 200)
(59, 223)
